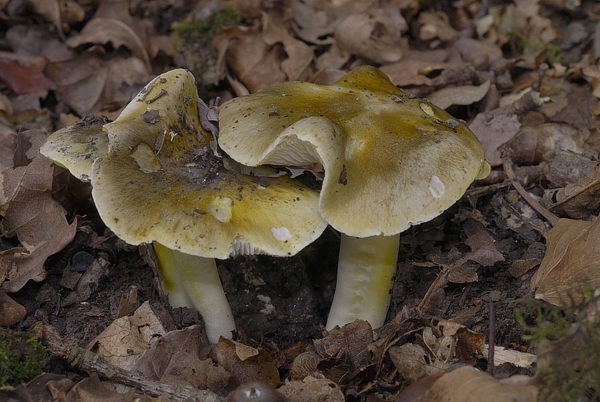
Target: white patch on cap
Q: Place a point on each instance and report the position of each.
(427, 109)
(281, 233)
(146, 158)
(220, 208)
(436, 187)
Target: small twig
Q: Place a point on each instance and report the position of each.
(550, 217)
(491, 337)
(67, 349)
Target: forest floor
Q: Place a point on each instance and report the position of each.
(513, 264)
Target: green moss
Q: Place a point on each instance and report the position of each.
(205, 28)
(568, 345)
(22, 357)
(195, 44)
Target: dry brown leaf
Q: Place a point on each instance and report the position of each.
(12, 312)
(571, 264)
(472, 50)
(435, 25)
(498, 126)
(125, 340)
(91, 389)
(312, 388)
(411, 72)
(462, 95)
(256, 64)
(25, 79)
(80, 82)
(299, 55)
(31, 214)
(174, 359)
(482, 244)
(35, 40)
(316, 21)
(374, 35)
(260, 367)
(48, 387)
(467, 384)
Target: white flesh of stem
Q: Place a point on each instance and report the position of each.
(193, 281)
(366, 269)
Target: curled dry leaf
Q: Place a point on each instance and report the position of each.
(498, 126)
(467, 384)
(31, 214)
(571, 264)
(534, 144)
(109, 30)
(578, 200)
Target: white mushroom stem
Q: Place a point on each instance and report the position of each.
(193, 281)
(366, 269)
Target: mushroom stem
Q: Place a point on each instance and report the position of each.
(193, 281)
(366, 268)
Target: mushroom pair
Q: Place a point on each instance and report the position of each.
(156, 180)
(390, 161)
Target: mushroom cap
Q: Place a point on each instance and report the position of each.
(390, 160)
(76, 147)
(160, 181)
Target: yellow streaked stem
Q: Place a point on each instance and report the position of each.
(193, 281)
(366, 269)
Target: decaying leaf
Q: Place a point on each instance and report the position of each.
(312, 388)
(467, 384)
(32, 215)
(12, 312)
(571, 264)
(124, 341)
(348, 343)
(245, 363)
(175, 359)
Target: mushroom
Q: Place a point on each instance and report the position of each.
(390, 161)
(156, 180)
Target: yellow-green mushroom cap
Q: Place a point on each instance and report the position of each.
(76, 147)
(390, 160)
(159, 181)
